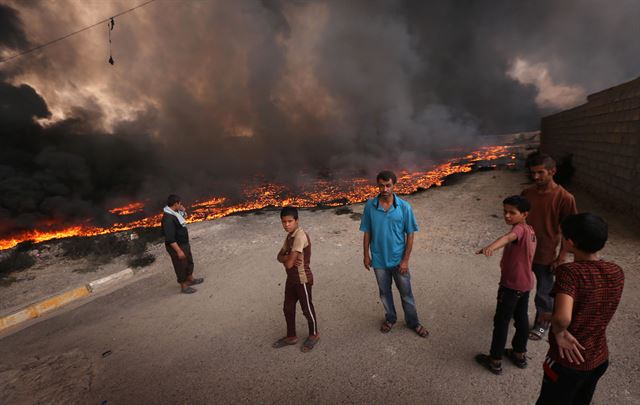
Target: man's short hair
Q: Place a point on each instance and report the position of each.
(587, 231)
(540, 159)
(518, 201)
(387, 175)
(173, 199)
(289, 212)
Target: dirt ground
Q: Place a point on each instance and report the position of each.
(145, 343)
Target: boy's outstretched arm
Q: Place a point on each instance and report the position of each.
(498, 244)
(568, 345)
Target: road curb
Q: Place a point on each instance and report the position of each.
(104, 282)
(59, 300)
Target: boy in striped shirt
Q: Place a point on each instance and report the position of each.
(587, 293)
(295, 255)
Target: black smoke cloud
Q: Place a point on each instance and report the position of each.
(62, 173)
(205, 95)
(12, 33)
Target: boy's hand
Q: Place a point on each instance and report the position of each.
(367, 262)
(569, 347)
(487, 251)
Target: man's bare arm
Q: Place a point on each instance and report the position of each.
(404, 264)
(179, 251)
(366, 242)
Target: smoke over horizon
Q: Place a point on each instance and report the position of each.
(205, 95)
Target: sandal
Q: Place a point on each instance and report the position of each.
(188, 290)
(537, 333)
(309, 344)
(520, 362)
(421, 331)
(386, 327)
(283, 342)
(196, 281)
(486, 362)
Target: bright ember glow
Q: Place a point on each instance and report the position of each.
(128, 209)
(329, 193)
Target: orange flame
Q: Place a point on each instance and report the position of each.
(128, 209)
(329, 193)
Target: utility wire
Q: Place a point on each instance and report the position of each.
(19, 54)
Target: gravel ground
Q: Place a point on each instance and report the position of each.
(145, 343)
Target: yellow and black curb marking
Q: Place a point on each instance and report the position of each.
(60, 300)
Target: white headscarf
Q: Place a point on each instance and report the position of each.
(180, 215)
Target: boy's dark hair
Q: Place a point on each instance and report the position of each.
(172, 199)
(540, 159)
(518, 201)
(587, 231)
(289, 212)
(386, 175)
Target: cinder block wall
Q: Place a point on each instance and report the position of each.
(603, 136)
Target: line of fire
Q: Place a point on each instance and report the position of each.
(317, 193)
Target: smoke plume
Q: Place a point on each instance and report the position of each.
(205, 95)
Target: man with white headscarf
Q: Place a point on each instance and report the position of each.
(176, 237)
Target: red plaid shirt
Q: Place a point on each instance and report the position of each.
(596, 288)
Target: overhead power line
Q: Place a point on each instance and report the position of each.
(22, 53)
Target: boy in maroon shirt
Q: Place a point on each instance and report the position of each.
(516, 280)
(295, 255)
(587, 293)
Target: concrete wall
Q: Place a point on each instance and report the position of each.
(603, 136)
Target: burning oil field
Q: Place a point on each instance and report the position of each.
(316, 193)
(105, 110)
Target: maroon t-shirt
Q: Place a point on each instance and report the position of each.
(517, 257)
(596, 288)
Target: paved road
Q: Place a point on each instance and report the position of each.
(214, 347)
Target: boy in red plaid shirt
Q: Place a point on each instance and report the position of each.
(587, 293)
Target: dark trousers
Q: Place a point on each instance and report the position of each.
(182, 267)
(543, 298)
(562, 385)
(294, 292)
(511, 304)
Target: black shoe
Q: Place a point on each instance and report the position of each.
(196, 281)
(487, 363)
(517, 361)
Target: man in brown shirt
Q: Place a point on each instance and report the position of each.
(550, 204)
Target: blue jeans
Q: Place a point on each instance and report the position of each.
(403, 283)
(543, 298)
